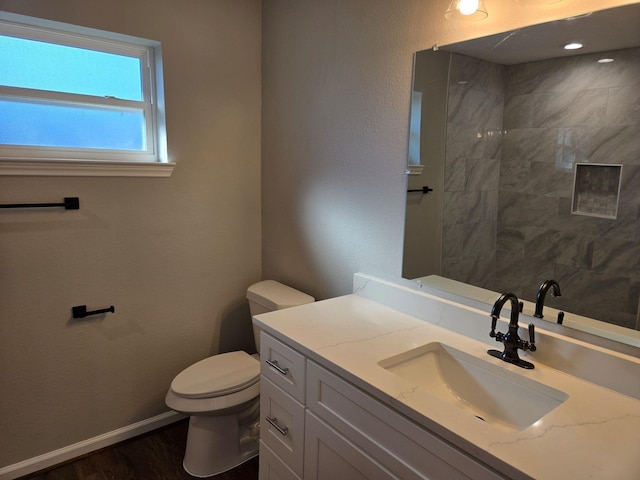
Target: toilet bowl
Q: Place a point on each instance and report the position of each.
(221, 394)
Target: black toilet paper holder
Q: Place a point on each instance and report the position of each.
(80, 311)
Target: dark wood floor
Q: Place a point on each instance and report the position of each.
(153, 456)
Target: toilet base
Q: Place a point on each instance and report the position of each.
(216, 444)
(243, 459)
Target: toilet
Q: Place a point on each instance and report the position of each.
(221, 394)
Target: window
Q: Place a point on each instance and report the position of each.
(77, 101)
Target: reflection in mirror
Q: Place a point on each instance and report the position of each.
(534, 158)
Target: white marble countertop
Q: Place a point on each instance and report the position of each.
(594, 434)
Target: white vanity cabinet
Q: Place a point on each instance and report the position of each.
(316, 426)
(282, 410)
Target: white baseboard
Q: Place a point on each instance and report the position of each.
(50, 459)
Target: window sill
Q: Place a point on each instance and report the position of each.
(414, 169)
(85, 168)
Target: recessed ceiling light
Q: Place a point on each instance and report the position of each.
(578, 16)
(572, 46)
(605, 60)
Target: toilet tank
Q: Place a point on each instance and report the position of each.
(268, 296)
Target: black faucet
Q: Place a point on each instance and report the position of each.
(511, 340)
(542, 291)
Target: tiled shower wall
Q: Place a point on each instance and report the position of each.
(472, 169)
(556, 113)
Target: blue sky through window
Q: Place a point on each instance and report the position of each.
(59, 68)
(51, 67)
(33, 124)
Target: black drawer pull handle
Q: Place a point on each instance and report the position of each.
(279, 369)
(274, 423)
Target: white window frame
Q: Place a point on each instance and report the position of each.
(37, 160)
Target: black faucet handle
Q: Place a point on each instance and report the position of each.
(532, 337)
(494, 322)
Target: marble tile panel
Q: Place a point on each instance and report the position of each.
(474, 108)
(529, 144)
(483, 271)
(517, 210)
(454, 207)
(500, 283)
(547, 180)
(623, 106)
(520, 274)
(553, 246)
(625, 227)
(581, 72)
(624, 71)
(456, 268)
(630, 184)
(479, 238)
(518, 111)
(545, 76)
(491, 143)
(464, 141)
(481, 207)
(571, 109)
(455, 174)
(572, 146)
(477, 74)
(482, 174)
(613, 144)
(511, 240)
(452, 240)
(524, 78)
(617, 257)
(592, 294)
(514, 176)
(569, 222)
(477, 270)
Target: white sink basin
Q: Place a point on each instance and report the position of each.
(490, 393)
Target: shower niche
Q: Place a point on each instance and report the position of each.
(596, 190)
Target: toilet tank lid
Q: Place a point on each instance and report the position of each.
(275, 296)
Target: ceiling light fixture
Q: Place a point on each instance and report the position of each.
(469, 10)
(605, 60)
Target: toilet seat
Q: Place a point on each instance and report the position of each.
(218, 375)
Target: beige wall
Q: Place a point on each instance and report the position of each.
(173, 255)
(336, 93)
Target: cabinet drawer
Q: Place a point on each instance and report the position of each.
(406, 449)
(282, 425)
(328, 455)
(283, 366)
(272, 468)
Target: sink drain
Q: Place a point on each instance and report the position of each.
(480, 418)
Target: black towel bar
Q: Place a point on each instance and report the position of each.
(424, 190)
(70, 203)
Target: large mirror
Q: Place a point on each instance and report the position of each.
(524, 165)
